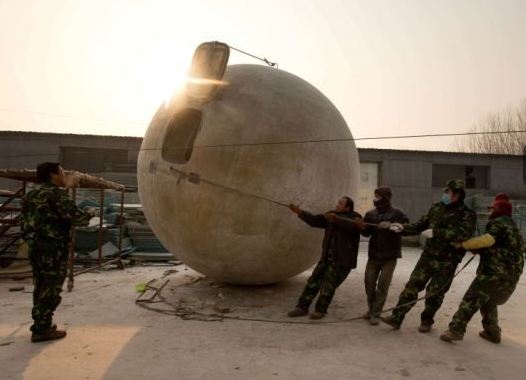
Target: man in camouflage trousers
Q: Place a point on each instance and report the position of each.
(447, 221)
(501, 252)
(47, 216)
(339, 256)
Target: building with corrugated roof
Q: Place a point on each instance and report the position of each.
(416, 177)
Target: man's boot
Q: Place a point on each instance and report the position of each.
(425, 327)
(493, 338)
(450, 336)
(374, 320)
(317, 315)
(47, 335)
(297, 312)
(391, 322)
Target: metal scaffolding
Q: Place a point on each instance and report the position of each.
(76, 180)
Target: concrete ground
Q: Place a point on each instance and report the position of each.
(109, 337)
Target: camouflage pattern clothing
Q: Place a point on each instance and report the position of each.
(325, 278)
(47, 216)
(498, 273)
(339, 256)
(439, 260)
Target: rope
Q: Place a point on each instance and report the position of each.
(190, 314)
(195, 178)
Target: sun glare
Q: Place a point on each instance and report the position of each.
(169, 84)
(163, 75)
(205, 81)
(173, 88)
(179, 85)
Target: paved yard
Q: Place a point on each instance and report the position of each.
(109, 337)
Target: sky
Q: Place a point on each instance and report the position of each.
(392, 67)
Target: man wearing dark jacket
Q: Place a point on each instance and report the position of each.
(384, 250)
(338, 257)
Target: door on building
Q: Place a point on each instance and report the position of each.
(369, 172)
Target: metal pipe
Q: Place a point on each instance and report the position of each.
(71, 256)
(96, 267)
(101, 217)
(121, 229)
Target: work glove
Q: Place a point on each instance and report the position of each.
(479, 242)
(384, 225)
(95, 221)
(428, 234)
(396, 227)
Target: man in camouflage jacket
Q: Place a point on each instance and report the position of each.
(47, 216)
(501, 263)
(447, 221)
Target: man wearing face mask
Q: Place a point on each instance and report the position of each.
(338, 257)
(501, 263)
(446, 222)
(385, 247)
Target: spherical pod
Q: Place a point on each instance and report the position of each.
(209, 170)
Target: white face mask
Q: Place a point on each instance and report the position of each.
(446, 199)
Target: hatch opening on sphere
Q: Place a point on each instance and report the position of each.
(207, 70)
(179, 140)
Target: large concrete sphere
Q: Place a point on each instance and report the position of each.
(233, 237)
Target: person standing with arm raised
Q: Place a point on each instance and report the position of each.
(339, 255)
(47, 216)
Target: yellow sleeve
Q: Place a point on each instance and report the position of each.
(479, 242)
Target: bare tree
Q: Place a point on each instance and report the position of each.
(495, 140)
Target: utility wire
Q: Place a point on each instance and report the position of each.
(72, 117)
(293, 142)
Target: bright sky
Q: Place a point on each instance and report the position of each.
(391, 67)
